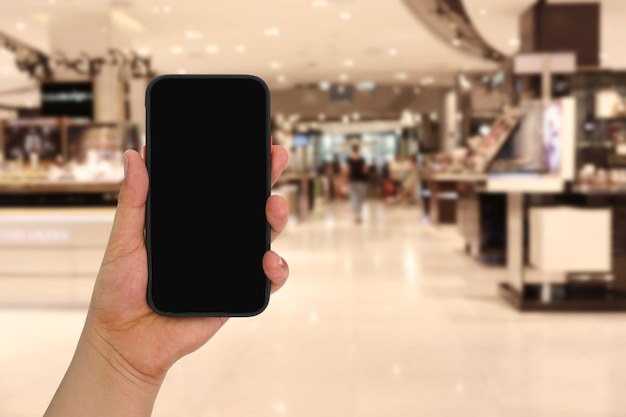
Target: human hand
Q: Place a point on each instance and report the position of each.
(120, 323)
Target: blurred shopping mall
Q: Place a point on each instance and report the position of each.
(486, 274)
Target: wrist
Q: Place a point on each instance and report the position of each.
(114, 366)
(99, 382)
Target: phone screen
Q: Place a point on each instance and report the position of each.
(208, 160)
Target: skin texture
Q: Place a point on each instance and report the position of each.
(125, 349)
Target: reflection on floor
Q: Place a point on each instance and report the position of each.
(383, 318)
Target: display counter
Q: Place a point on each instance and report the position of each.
(442, 195)
(51, 256)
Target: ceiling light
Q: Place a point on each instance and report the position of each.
(464, 82)
(393, 51)
(20, 26)
(319, 3)
(182, 71)
(166, 9)
(281, 78)
(345, 15)
(240, 48)
(343, 77)
(192, 34)
(275, 65)
(143, 51)
(177, 49)
(52, 1)
(348, 63)
(271, 32)
(514, 42)
(483, 12)
(212, 49)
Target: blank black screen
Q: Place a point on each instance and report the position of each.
(208, 161)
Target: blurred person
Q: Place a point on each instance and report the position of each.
(357, 180)
(398, 169)
(338, 178)
(125, 349)
(409, 192)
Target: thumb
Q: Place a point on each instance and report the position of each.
(127, 233)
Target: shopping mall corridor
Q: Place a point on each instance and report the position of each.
(384, 318)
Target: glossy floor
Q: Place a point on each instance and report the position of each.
(383, 318)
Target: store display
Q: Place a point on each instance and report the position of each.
(27, 139)
(199, 195)
(57, 149)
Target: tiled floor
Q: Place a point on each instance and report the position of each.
(387, 318)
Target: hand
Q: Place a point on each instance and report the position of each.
(126, 349)
(119, 315)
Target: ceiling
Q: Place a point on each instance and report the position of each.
(288, 42)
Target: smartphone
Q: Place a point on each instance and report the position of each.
(208, 158)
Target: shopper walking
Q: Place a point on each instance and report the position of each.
(357, 181)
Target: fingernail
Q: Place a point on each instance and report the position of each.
(281, 261)
(125, 165)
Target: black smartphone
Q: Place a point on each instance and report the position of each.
(208, 158)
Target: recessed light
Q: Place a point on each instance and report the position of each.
(514, 42)
(483, 12)
(192, 34)
(212, 49)
(343, 77)
(240, 48)
(348, 63)
(345, 15)
(393, 51)
(271, 31)
(166, 9)
(275, 64)
(143, 51)
(177, 49)
(20, 26)
(319, 3)
(281, 78)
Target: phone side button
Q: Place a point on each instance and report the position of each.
(143, 152)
